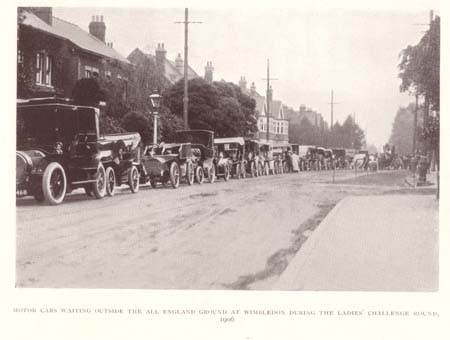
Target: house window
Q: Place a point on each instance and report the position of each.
(44, 66)
(90, 72)
(19, 57)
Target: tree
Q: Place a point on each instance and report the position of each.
(420, 76)
(220, 107)
(136, 121)
(403, 131)
(303, 133)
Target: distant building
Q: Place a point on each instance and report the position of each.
(53, 54)
(278, 124)
(167, 70)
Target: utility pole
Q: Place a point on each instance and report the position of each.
(332, 103)
(268, 100)
(186, 23)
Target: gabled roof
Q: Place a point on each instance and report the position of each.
(276, 109)
(172, 74)
(74, 34)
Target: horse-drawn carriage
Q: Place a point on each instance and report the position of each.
(340, 160)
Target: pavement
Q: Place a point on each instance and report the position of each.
(370, 243)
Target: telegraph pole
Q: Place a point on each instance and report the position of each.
(332, 103)
(267, 100)
(186, 23)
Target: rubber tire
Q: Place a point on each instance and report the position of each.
(211, 174)
(190, 175)
(99, 192)
(199, 175)
(174, 173)
(133, 179)
(46, 189)
(110, 182)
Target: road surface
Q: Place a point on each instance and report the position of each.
(239, 234)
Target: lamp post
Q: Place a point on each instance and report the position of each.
(155, 99)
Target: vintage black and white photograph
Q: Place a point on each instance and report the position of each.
(264, 149)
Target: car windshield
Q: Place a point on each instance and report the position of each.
(44, 125)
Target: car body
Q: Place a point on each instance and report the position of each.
(230, 157)
(59, 149)
(189, 157)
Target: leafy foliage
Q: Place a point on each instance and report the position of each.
(220, 107)
(136, 121)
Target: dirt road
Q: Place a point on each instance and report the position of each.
(235, 235)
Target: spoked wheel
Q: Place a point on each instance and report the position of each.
(133, 179)
(190, 173)
(199, 175)
(227, 174)
(252, 169)
(54, 184)
(212, 174)
(174, 175)
(99, 187)
(110, 182)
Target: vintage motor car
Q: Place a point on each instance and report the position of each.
(189, 157)
(59, 149)
(121, 157)
(308, 157)
(281, 158)
(230, 157)
(340, 158)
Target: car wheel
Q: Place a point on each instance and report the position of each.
(110, 182)
(174, 175)
(99, 187)
(54, 184)
(190, 173)
(133, 179)
(199, 175)
(212, 174)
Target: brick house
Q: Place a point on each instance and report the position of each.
(278, 124)
(53, 54)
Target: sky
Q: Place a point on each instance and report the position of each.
(311, 51)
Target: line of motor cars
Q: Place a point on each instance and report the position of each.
(60, 148)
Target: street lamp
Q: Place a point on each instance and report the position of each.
(155, 99)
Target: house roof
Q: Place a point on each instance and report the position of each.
(73, 33)
(275, 109)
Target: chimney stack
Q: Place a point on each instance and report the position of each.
(97, 27)
(243, 84)
(160, 56)
(253, 89)
(209, 69)
(179, 63)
